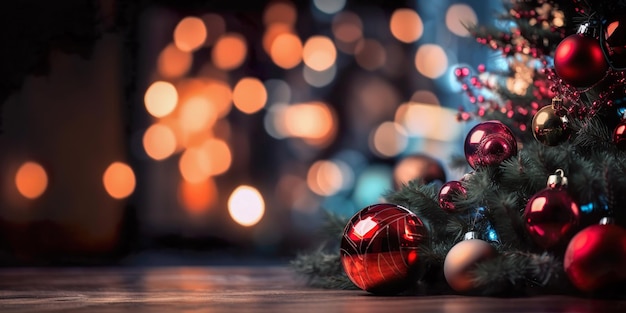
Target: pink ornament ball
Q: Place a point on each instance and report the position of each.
(489, 143)
(448, 193)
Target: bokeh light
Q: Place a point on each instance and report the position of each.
(316, 90)
(223, 129)
(215, 27)
(372, 100)
(189, 87)
(249, 95)
(230, 51)
(350, 162)
(370, 54)
(424, 96)
(319, 53)
(286, 50)
(371, 184)
(329, 6)
(274, 122)
(198, 197)
(319, 78)
(347, 174)
(325, 178)
(280, 11)
(194, 164)
(278, 91)
(246, 205)
(417, 166)
(406, 25)
(388, 139)
(292, 190)
(210, 158)
(459, 17)
(431, 60)
(160, 98)
(272, 32)
(220, 156)
(173, 62)
(221, 97)
(31, 180)
(396, 57)
(428, 121)
(190, 34)
(313, 121)
(119, 180)
(197, 114)
(347, 28)
(159, 141)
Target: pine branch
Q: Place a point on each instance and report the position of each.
(506, 219)
(480, 187)
(454, 230)
(458, 162)
(515, 273)
(322, 270)
(522, 174)
(333, 226)
(592, 135)
(421, 200)
(434, 255)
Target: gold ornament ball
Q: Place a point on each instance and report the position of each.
(549, 128)
(461, 260)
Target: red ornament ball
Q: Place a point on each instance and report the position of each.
(579, 61)
(551, 216)
(489, 143)
(379, 248)
(615, 40)
(596, 257)
(449, 193)
(619, 135)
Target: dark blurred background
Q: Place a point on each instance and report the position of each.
(166, 132)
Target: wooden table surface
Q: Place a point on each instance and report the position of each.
(235, 289)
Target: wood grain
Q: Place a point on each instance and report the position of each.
(235, 289)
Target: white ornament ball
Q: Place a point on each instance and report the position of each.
(461, 260)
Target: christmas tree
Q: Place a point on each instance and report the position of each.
(542, 210)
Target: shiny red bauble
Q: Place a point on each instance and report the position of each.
(596, 257)
(379, 248)
(449, 193)
(579, 61)
(619, 135)
(551, 216)
(489, 143)
(615, 40)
